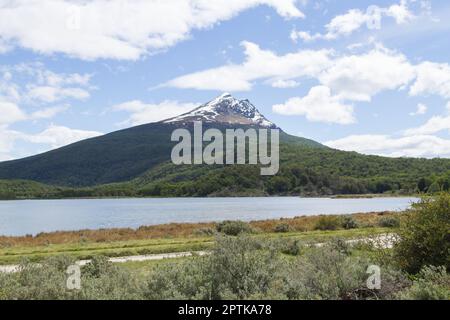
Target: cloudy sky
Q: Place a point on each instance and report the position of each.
(369, 76)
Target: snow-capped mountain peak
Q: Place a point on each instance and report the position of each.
(225, 109)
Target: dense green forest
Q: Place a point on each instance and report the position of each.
(168, 180)
(136, 162)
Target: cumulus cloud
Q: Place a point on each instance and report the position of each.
(349, 77)
(359, 77)
(116, 29)
(10, 113)
(47, 113)
(50, 94)
(7, 139)
(426, 146)
(319, 106)
(280, 83)
(421, 109)
(141, 112)
(400, 12)
(40, 85)
(58, 136)
(354, 77)
(52, 137)
(432, 78)
(28, 101)
(259, 64)
(354, 19)
(433, 125)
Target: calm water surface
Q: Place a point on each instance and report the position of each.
(34, 216)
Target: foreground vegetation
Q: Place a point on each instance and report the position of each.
(238, 268)
(247, 264)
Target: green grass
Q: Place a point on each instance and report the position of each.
(86, 250)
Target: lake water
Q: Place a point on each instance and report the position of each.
(34, 216)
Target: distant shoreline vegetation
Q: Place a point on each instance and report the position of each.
(233, 182)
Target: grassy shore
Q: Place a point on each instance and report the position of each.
(179, 237)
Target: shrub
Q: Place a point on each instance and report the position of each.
(48, 281)
(282, 227)
(389, 222)
(348, 222)
(98, 266)
(326, 273)
(424, 235)
(233, 228)
(204, 232)
(291, 247)
(432, 283)
(238, 268)
(328, 223)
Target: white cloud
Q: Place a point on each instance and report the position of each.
(319, 106)
(354, 77)
(8, 91)
(50, 94)
(40, 85)
(47, 113)
(116, 29)
(280, 83)
(359, 77)
(10, 113)
(7, 138)
(259, 64)
(58, 136)
(433, 125)
(411, 146)
(421, 109)
(145, 113)
(53, 136)
(347, 23)
(354, 19)
(400, 12)
(432, 78)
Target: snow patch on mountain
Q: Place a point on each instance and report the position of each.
(225, 109)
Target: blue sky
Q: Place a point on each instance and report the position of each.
(369, 76)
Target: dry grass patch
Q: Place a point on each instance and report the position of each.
(173, 230)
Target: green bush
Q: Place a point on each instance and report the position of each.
(282, 227)
(291, 247)
(205, 232)
(424, 235)
(432, 283)
(237, 269)
(48, 281)
(233, 228)
(389, 222)
(327, 273)
(328, 223)
(348, 222)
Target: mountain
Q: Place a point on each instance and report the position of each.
(124, 155)
(224, 109)
(136, 162)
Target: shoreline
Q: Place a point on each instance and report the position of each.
(300, 223)
(336, 196)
